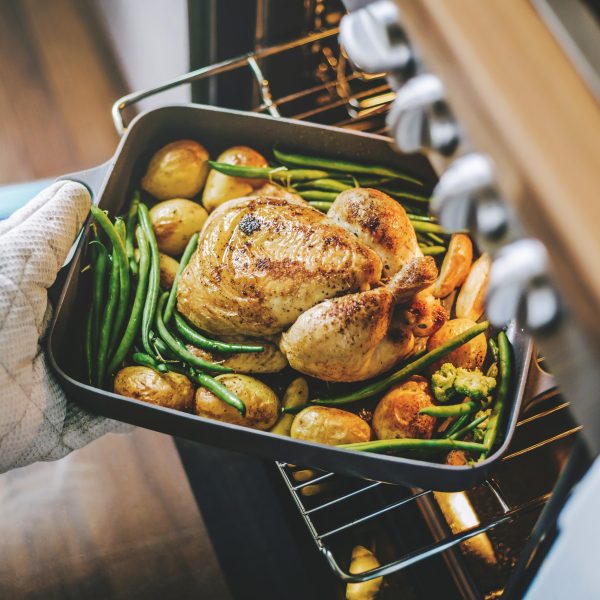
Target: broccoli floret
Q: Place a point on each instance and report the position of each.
(442, 382)
(479, 430)
(474, 384)
(449, 381)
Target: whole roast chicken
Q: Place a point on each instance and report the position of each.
(347, 292)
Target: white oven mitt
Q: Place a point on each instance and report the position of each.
(36, 421)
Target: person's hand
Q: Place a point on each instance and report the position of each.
(36, 421)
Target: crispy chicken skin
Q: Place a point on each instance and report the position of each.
(379, 222)
(262, 261)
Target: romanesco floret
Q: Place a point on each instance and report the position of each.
(450, 381)
(442, 382)
(474, 384)
(479, 430)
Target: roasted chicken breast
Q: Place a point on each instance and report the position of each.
(262, 261)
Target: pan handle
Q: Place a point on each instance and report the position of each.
(93, 179)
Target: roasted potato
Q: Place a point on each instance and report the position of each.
(397, 414)
(456, 265)
(425, 314)
(329, 426)
(177, 170)
(262, 405)
(470, 355)
(470, 303)
(270, 360)
(220, 187)
(175, 222)
(295, 395)
(363, 560)
(168, 269)
(171, 390)
(456, 458)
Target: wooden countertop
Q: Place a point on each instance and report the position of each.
(521, 101)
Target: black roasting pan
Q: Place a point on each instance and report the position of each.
(111, 185)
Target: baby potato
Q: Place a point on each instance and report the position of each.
(220, 187)
(175, 222)
(171, 390)
(168, 269)
(363, 560)
(456, 265)
(295, 395)
(397, 414)
(331, 426)
(177, 170)
(262, 405)
(470, 355)
(470, 303)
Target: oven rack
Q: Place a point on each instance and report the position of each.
(506, 511)
(344, 97)
(363, 98)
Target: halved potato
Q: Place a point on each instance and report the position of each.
(397, 414)
(175, 222)
(470, 355)
(165, 389)
(470, 303)
(168, 269)
(220, 187)
(456, 265)
(262, 405)
(331, 426)
(177, 170)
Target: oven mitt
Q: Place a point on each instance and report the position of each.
(36, 420)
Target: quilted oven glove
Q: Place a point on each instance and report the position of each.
(36, 420)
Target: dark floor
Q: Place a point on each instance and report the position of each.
(116, 520)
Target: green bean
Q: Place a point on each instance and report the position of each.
(185, 259)
(131, 221)
(464, 430)
(332, 164)
(505, 374)
(99, 263)
(89, 354)
(427, 218)
(421, 227)
(197, 339)
(108, 317)
(322, 206)
(436, 238)
(404, 196)
(408, 370)
(123, 266)
(451, 410)
(318, 196)
(326, 185)
(154, 278)
(178, 348)
(413, 444)
(145, 360)
(121, 230)
(279, 174)
(133, 325)
(161, 349)
(433, 250)
(219, 390)
(457, 425)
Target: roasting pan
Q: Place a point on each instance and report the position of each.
(111, 185)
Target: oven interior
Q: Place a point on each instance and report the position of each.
(465, 544)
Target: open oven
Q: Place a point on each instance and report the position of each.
(284, 531)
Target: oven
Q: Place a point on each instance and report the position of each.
(286, 531)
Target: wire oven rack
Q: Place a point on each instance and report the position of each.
(332, 506)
